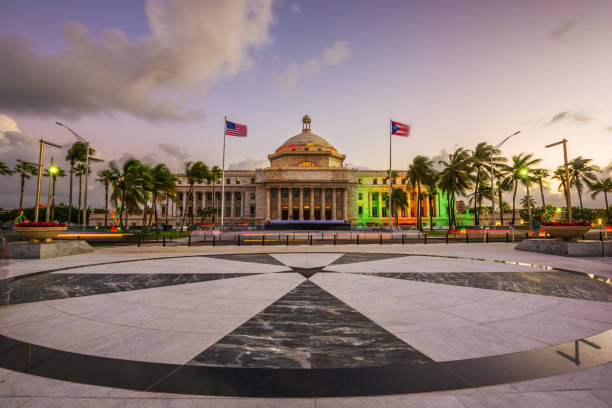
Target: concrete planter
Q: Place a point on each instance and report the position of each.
(37, 234)
(565, 233)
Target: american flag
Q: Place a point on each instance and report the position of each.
(235, 129)
(400, 129)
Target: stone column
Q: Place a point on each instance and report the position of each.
(232, 205)
(312, 217)
(268, 204)
(301, 203)
(278, 204)
(290, 211)
(323, 203)
(345, 204)
(334, 204)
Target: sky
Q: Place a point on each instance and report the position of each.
(153, 79)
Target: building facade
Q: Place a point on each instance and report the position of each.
(306, 180)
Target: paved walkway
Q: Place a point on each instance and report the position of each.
(324, 307)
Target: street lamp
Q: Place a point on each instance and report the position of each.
(496, 148)
(567, 183)
(52, 170)
(79, 138)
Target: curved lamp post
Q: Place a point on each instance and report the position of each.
(501, 214)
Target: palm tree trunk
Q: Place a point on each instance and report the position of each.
(607, 207)
(476, 220)
(144, 214)
(542, 192)
(501, 210)
(419, 223)
(167, 208)
(514, 202)
(106, 205)
(155, 212)
(79, 209)
(21, 194)
(580, 198)
(70, 194)
(185, 205)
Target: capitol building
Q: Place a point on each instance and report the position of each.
(305, 183)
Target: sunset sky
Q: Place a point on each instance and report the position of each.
(154, 79)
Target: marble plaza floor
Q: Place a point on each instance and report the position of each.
(457, 325)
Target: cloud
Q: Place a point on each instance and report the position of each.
(573, 116)
(248, 164)
(563, 29)
(339, 51)
(159, 77)
(356, 166)
(173, 150)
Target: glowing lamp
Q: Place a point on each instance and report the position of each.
(524, 172)
(558, 209)
(53, 169)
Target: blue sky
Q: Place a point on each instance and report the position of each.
(459, 72)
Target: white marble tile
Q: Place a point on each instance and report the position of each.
(311, 260)
(599, 377)
(549, 327)
(141, 344)
(466, 342)
(26, 385)
(393, 401)
(199, 322)
(26, 313)
(563, 399)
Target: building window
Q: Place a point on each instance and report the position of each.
(199, 209)
(296, 193)
(404, 212)
(237, 211)
(360, 196)
(360, 210)
(180, 210)
(375, 196)
(374, 212)
(252, 196)
(180, 196)
(252, 180)
(273, 193)
(190, 210)
(218, 194)
(238, 196)
(191, 197)
(200, 195)
(359, 181)
(252, 210)
(285, 192)
(209, 196)
(375, 181)
(328, 193)
(306, 193)
(237, 180)
(228, 196)
(384, 211)
(163, 210)
(228, 181)
(228, 211)
(317, 193)
(307, 164)
(306, 149)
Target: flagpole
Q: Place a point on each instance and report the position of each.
(390, 187)
(223, 173)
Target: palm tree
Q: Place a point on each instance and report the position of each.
(559, 174)
(482, 156)
(602, 185)
(399, 200)
(194, 173)
(58, 173)
(126, 187)
(520, 163)
(539, 175)
(77, 153)
(431, 184)
(484, 191)
(214, 174)
(79, 170)
(106, 177)
(524, 203)
(418, 172)
(25, 171)
(502, 185)
(582, 172)
(5, 170)
(455, 179)
(162, 182)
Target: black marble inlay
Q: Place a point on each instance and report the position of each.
(66, 285)
(307, 272)
(559, 283)
(316, 382)
(364, 257)
(257, 258)
(309, 328)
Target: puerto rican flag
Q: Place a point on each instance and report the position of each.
(400, 129)
(235, 129)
